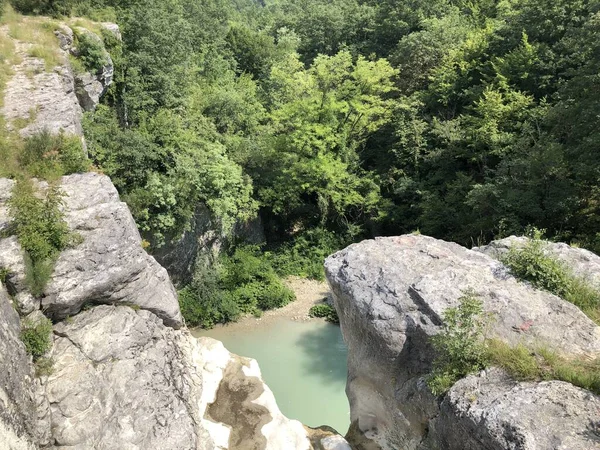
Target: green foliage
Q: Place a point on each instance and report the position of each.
(49, 156)
(51, 7)
(534, 264)
(40, 227)
(37, 336)
(91, 50)
(462, 348)
(325, 311)
(543, 364)
(305, 255)
(242, 283)
(459, 347)
(164, 170)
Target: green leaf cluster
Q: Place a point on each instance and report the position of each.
(37, 336)
(459, 347)
(39, 224)
(325, 311)
(242, 283)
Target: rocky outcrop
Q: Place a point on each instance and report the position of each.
(123, 375)
(36, 99)
(108, 266)
(17, 401)
(491, 411)
(391, 294)
(124, 380)
(583, 263)
(91, 85)
(202, 243)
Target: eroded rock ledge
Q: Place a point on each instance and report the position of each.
(391, 293)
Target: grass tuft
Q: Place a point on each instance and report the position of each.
(37, 336)
(533, 264)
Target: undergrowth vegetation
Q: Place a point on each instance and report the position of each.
(37, 336)
(533, 263)
(241, 283)
(40, 227)
(92, 53)
(463, 348)
(325, 311)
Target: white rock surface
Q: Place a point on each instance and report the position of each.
(124, 380)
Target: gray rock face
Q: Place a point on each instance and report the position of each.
(582, 262)
(118, 382)
(17, 393)
(391, 293)
(201, 244)
(179, 255)
(110, 265)
(492, 412)
(39, 99)
(90, 86)
(122, 380)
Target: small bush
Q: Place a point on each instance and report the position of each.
(459, 347)
(44, 367)
(252, 281)
(51, 156)
(305, 256)
(37, 336)
(532, 263)
(52, 7)
(92, 53)
(41, 230)
(325, 311)
(242, 283)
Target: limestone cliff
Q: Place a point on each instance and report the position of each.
(391, 293)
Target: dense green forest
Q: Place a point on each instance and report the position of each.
(337, 120)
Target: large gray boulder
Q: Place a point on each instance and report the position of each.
(17, 389)
(391, 294)
(492, 412)
(122, 380)
(110, 265)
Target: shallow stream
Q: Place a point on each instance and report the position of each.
(304, 364)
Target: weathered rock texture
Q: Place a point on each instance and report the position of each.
(17, 403)
(108, 266)
(37, 99)
(122, 380)
(391, 294)
(40, 99)
(201, 244)
(491, 411)
(582, 262)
